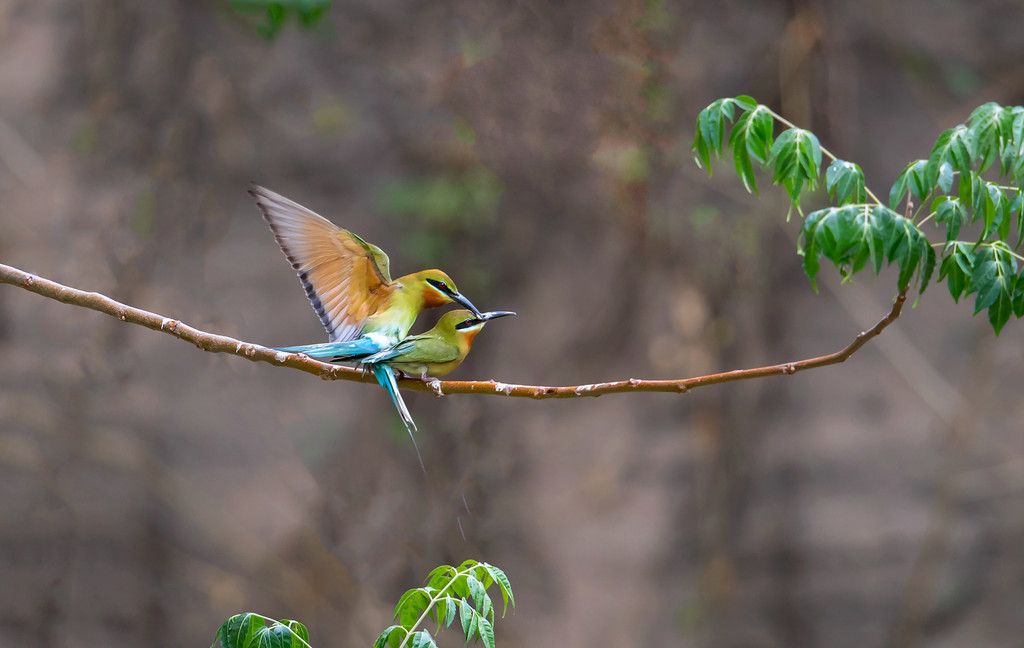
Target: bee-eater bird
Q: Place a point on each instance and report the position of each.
(427, 355)
(348, 281)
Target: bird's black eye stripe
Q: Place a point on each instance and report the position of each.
(440, 285)
(465, 324)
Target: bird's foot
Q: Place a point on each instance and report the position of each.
(434, 384)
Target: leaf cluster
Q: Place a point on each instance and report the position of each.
(252, 630)
(307, 13)
(450, 592)
(949, 188)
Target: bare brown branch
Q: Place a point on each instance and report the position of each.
(256, 353)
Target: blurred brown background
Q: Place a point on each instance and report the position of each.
(539, 152)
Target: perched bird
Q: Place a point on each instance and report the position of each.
(348, 281)
(427, 355)
(438, 351)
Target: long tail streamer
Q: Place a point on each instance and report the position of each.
(386, 378)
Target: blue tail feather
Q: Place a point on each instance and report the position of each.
(338, 351)
(386, 378)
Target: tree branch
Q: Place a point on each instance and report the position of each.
(256, 353)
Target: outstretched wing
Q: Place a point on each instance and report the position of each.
(346, 279)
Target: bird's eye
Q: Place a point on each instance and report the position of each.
(440, 285)
(465, 324)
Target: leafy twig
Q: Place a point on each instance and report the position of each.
(825, 151)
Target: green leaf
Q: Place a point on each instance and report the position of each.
(785, 156)
(237, 632)
(945, 177)
(711, 130)
(449, 611)
(476, 590)
(918, 180)
(487, 609)
(986, 279)
(751, 137)
(276, 636)
(810, 156)
(963, 254)
(960, 269)
(482, 575)
(983, 133)
(927, 269)
(403, 601)
(906, 252)
(951, 148)
(422, 639)
(955, 278)
(759, 140)
(703, 151)
(439, 576)
(506, 588)
(951, 212)
(1012, 160)
(468, 618)
(411, 606)
(1000, 311)
(1018, 208)
(390, 637)
(796, 156)
(1017, 128)
(899, 188)
(808, 248)
(982, 207)
(989, 201)
(1003, 220)
(845, 182)
(965, 190)
(746, 102)
(297, 628)
(741, 157)
(793, 187)
(1018, 168)
(995, 278)
(486, 631)
(1018, 296)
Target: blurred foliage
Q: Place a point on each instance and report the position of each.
(625, 161)
(449, 592)
(85, 139)
(436, 206)
(467, 200)
(332, 117)
(306, 13)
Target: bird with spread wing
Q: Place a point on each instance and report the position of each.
(348, 282)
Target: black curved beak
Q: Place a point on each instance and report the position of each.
(493, 315)
(459, 298)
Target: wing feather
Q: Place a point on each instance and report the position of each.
(418, 349)
(345, 278)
